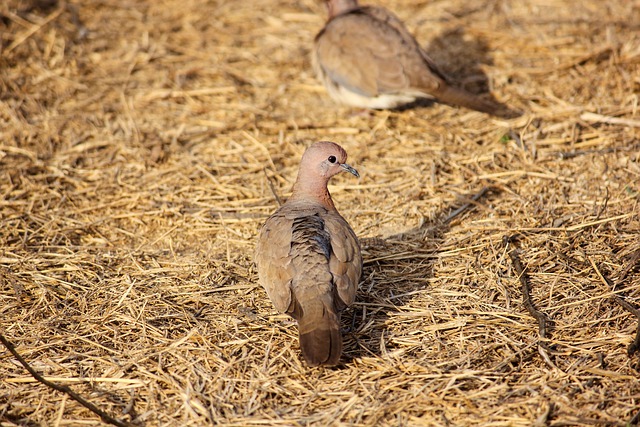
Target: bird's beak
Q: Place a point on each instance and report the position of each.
(350, 169)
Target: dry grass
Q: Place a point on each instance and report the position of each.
(138, 140)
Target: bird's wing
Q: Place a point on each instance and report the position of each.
(292, 257)
(300, 250)
(273, 262)
(369, 51)
(360, 53)
(345, 263)
(419, 57)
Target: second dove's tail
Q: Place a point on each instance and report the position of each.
(454, 96)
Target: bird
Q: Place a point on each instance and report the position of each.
(367, 58)
(308, 257)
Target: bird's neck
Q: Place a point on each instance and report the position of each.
(313, 191)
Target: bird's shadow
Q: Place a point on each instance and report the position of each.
(461, 57)
(396, 268)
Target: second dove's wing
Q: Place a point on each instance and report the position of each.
(357, 52)
(371, 53)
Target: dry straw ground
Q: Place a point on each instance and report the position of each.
(138, 142)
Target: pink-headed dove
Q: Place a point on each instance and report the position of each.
(308, 257)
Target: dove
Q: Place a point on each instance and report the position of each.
(366, 58)
(308, 258)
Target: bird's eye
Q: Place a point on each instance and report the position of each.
(332, 159)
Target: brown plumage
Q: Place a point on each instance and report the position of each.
(366, 58)
(308, 257)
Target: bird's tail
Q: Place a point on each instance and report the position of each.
(320, 337)
(455, 96)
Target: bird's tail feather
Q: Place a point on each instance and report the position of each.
(455, 96)
(320, 338)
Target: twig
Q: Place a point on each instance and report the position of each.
(35, 28)
(542, 318)
(633, 260)
(273, 190)
(635, 344)
(472, 201)
(599, 118)
(63, 389)
(597, 55)
(543, 419)
(604, 204)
